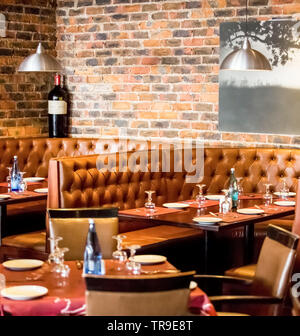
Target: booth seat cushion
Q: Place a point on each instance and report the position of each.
(32, 240)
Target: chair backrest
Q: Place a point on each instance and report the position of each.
(143, 295)
(72, 225)
(275, 262)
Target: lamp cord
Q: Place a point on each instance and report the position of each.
(246, 18)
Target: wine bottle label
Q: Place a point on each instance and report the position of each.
(57, 107)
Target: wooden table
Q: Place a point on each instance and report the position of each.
(67, 296)
(28, 196)
(185, 217)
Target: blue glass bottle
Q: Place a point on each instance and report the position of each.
(233, 189)
(15, 176)
(92, 253)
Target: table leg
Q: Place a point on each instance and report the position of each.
(208, 260)
(2, 221)
(248, 243)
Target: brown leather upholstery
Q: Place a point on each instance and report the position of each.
(73, 230)
(160, 295)
(78, 182)
(34, 153)
(271, 275)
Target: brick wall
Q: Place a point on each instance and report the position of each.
(23, 97)
(150, 68)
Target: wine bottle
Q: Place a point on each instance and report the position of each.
(57, 110)
(15, 176)
(233, 189)
(92, 254)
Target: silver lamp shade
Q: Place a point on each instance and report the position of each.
(245, 58)
(40, 62)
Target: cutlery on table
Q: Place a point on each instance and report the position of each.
(213, 214)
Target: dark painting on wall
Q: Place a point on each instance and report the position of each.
(262, 101)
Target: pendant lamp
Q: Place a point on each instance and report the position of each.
(40, 61)
(245, 58)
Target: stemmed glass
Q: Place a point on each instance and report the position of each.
(54, 255)
(132, 265)
(23, 183)
(149, 205)
(284, 191)
(8, 178)
(239, 185)
(200, 198)
(60, 268)
(119, 256)
(267, 196)
(225, 204)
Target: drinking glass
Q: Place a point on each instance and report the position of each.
(8, 178)
(53, 257)
(149, 205)
(226, 204)
(284, 191)
(200, 198)
(132, 265)
(60, 268)
(23, 184)
(267, 196)
(119, 256)
(239, 185)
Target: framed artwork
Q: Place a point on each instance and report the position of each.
(262, 101)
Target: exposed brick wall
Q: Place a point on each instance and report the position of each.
(23, 97)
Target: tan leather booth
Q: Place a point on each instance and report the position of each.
(109, 180)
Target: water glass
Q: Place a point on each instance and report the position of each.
(132, 265)
(23, 183)
(119, 256)
(267, 196)
(239, 185)
(149, 205)
(284, 191)
(200, 198)
(226, 204)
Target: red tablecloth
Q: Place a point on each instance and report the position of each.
(68, 297)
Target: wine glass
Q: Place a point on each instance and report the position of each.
(8, 178)
(119, 256)
(284, 191)
(132, 265)
(149, 205)
(239, 185)
(53, 257)
(225, 204)
(267, 196)
(200, 198)
(60, 268)
(23, 183)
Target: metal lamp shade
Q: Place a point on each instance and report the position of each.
(40, 62)
(245, 58)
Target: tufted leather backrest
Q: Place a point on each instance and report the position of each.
(34, 153)
(77, 181)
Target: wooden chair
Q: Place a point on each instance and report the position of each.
(72, 225)
(248, 271)
(140, 295)
(272, 275)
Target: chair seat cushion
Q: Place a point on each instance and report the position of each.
(246, 272)
(32, 240)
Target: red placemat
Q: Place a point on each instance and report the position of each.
(194, 204)
(145, 213)
(273, 208)
(26, 193)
